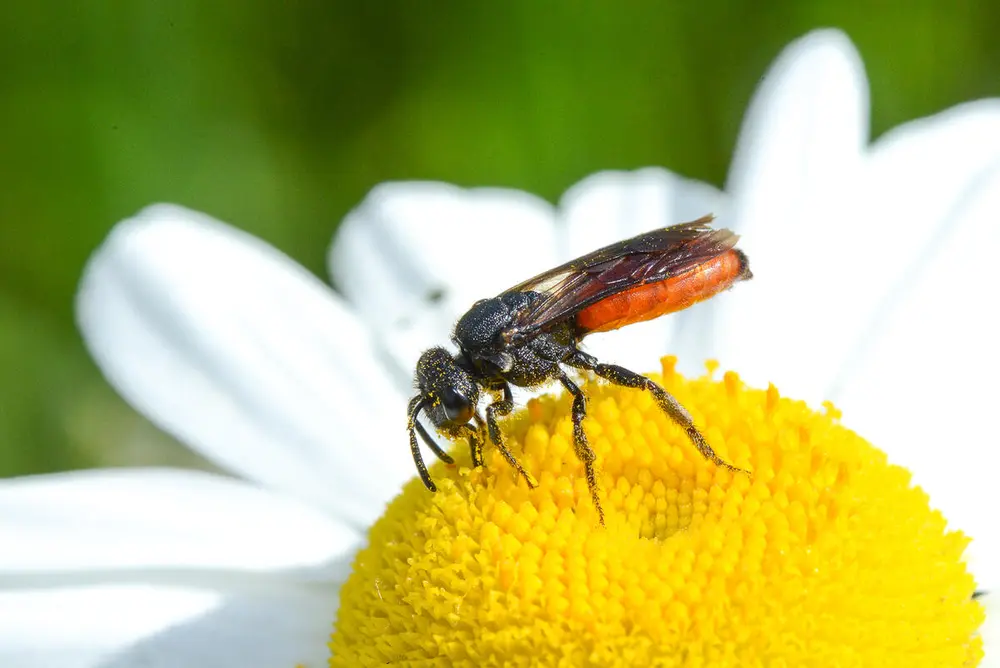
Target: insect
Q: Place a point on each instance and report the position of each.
(529, 334)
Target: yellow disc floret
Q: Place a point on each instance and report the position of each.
(824, 556)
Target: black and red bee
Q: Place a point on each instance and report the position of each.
(526, 335)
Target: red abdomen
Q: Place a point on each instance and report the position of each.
(651, 300)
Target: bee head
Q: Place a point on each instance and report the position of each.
(447, 391)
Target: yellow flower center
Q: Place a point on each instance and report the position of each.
(824, 556)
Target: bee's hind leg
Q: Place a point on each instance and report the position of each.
(667, 403)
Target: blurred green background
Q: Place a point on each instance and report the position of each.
(279, 117)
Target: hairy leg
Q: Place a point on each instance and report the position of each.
(580, 444)
(500, 408)
(667, 403)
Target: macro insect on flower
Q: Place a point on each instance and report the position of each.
(526, 334)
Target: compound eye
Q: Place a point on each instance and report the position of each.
(457, 406)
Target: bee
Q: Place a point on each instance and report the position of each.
(530, 334)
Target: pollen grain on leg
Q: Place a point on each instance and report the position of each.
(826, 555)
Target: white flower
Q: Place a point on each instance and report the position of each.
(872, 266)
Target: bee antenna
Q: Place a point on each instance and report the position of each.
(417, 404)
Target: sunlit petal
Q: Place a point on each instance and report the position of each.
(119, 519)
(917, 177)
(243, 355)
(923, 385)
(804, 131)
(799, 152)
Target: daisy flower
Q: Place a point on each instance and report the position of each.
(868, 260)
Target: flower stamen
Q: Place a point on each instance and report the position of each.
(826, 556)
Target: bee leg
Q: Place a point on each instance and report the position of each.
(416, 404)
(476, 441)
(580, 444)
(504, 407)
(673, 409)
(432, 444)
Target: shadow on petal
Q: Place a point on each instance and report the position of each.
(275, 630)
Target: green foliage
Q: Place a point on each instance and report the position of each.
(280, 117)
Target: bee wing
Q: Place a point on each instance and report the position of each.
(646, 258)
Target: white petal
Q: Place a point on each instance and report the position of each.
(798, 156)
(83, 627)
(990, 630)
(803, 132)
(100, 521)
(924, 387)
(919, 172)
(613, 205)
(610, 206)
(264, 630)
(917, 176)
(413, 257)
(245, 356)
